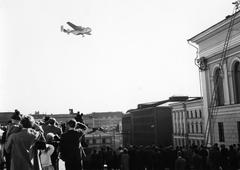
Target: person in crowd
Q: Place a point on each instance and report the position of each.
(82, 144)
(180, 162)
(204, 154)
(94, 160)
(214, 157)
(54, 141)
(45, 122)
(125, 160)
(45, 157)
(2, 159)
(63, 127)
(13, 127)
(70, 151)
(223, 157)
(20, 145)
(79, 117)
(197, 161)
(51, 127)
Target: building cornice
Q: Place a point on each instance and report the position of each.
(235, 41)
(213, 30)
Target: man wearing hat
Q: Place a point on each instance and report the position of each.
(13, 127)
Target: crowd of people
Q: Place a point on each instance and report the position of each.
(30, 145)
(27, 144)
(167, 158)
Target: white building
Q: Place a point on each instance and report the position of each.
(188, 120)
(225, 124)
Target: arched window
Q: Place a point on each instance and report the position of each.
(218, 85)
(236, 81)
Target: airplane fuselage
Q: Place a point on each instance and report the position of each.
(77, 30)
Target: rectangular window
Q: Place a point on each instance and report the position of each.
(189, 128)
(183, 128)
(221, 132)
(200, 114)
(238, 128)
(196, 127)
(108, 140)
(98, 141)
(196, 115)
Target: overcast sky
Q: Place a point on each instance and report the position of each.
(137, 53)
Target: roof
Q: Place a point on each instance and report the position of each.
(198, 100)
(223, 24)
(105, 114)
(171, 99)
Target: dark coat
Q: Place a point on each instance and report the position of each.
(180, 163)
(69, 149)
(19, 144)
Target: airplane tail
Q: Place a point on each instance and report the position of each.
(62, 28)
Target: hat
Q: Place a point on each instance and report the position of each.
(46, 118)
(16, 115)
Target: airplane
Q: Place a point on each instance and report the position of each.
(77, 30)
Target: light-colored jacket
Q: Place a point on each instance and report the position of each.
(45, 156)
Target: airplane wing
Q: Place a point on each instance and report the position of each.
(72, 25)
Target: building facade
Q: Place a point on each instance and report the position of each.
(106, 120)
(5, 117)
(110, 124)
(220, 80)
(188, 121)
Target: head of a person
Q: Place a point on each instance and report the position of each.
(27, 121)
(80, 126)
(179, 154)
(16, 117)
(125, 150)
(46, 119)
(71, 123)
(50, 137)
(52, 121)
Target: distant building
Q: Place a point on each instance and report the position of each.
(59, 117)
(188, 120)
(225, 118)
(5, 117)
(110, 123)
(103, 119)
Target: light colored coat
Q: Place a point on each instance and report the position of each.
(19, 144)
(45, 156)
